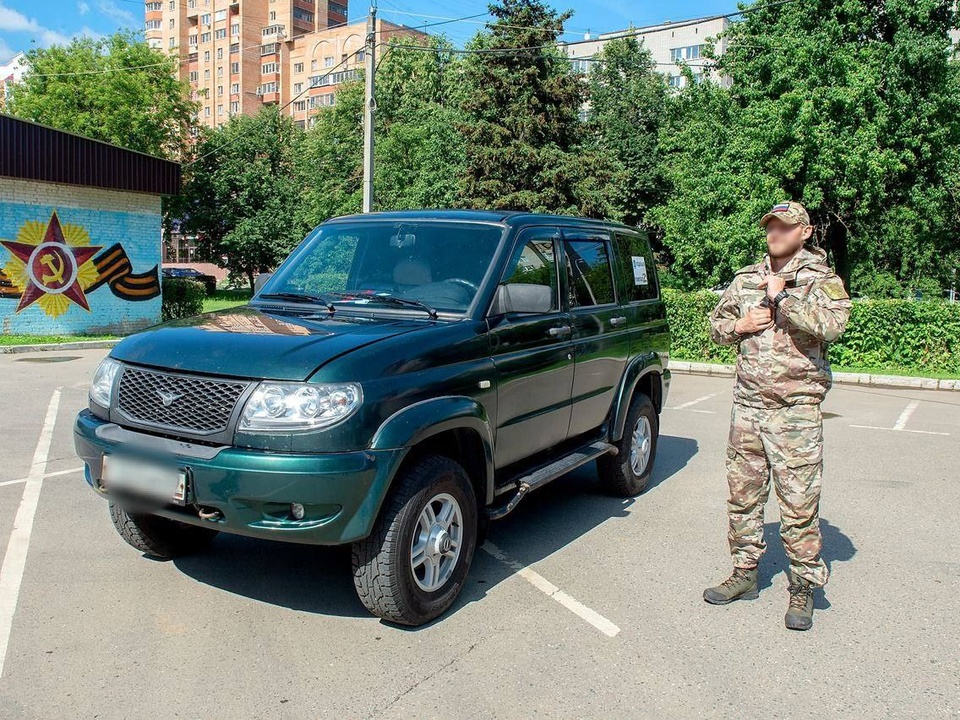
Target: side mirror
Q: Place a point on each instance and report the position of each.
(260, 280)
(522, 298)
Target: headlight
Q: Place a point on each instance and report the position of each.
(276, 406)
(101, 390)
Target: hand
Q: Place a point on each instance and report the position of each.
(774, 284)
(756, 320)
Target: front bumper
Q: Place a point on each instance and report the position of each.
(253, 489)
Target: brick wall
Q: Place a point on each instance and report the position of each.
(121, 295)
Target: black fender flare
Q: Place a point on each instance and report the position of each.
(637, 368)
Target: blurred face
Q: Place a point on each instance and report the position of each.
(784, 240)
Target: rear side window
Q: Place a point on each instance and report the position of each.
(590, 277)
(635, 266)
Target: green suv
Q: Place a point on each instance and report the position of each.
(402, 379)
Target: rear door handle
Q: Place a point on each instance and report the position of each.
(561, 331)
(618, 320)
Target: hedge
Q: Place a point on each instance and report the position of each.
(181, 298)
(896, 335)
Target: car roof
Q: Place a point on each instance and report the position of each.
(512, 218)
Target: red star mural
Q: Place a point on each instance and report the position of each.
(52, 266)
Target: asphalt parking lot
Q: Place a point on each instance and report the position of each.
(581, 605)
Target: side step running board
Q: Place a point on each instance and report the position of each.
(543, 475)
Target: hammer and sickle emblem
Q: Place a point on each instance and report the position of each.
(55, 264)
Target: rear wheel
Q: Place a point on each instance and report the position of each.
(628, 472)
(158, 536)
(413, 565)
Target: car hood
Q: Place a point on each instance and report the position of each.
(247, 342)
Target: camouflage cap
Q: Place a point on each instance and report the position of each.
(792, 213)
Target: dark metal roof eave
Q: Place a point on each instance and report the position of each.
(30, 151)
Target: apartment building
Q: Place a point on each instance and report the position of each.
(238, 55)
(672, 45)
(11, 73)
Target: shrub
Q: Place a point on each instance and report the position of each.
(900, 335)
(182, 298)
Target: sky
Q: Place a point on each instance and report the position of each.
(27, 23)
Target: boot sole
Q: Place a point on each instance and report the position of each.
(797, 625)
(752, 595)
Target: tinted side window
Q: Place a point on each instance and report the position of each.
(590, 278)
(636, 267)
(534, 263)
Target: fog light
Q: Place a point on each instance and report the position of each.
(296, 509)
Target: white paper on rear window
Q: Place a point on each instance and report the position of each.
(639, 270)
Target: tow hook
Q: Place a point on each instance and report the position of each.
(208, 513)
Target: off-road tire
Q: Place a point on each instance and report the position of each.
(158, 536)
(382, 573)
(616, 471)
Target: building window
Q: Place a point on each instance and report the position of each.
(235, 89)
(690, 52)
(273, 15)
(220, 15)
(361, 55)
(192, 40)
(219, 109)
(173, 42)
(302, 15)
(234, 107)
(220, 33)
(328, 61)
(206, 56)
(235, 29)
(235, 48)
(194, 76)
(173, 4)
(205, 19)
(297, 88)
(191, 4)
(220, 71)
(297, 68)
(235, 68)
(154, 6)
(173, 23)
(206, 74)
(300, 105)
(205, 37)
(271, 30)
(219, 90)
(206, 112)
(220, 53)
(676, 81)
(581, 66)
(337, 8)
(266, 88)
(268, 68)
(271, 49)
(154, 24)
(313, 64)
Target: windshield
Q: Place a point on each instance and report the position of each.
(434, 265)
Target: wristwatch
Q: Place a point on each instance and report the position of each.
(780, 297)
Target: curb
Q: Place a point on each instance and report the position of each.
(839, 378)
(44, 347)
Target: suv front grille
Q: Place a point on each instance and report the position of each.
(180, 402)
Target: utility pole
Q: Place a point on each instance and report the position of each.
(369, 107)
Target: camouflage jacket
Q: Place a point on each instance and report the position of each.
(787, 363)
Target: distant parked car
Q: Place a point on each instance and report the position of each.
(209, 281)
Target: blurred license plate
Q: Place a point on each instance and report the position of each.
(145, 479)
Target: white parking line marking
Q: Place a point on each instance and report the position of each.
(699, 400)
(58, 473)
(552, 591)
(905, 415)
(900, 424)
(11, 573)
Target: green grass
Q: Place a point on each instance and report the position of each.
(223, 299)
(898, 372)
(50, 339)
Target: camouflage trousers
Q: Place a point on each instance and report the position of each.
(787, 445)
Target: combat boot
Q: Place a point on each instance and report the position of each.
(741, 585)
(800, 610)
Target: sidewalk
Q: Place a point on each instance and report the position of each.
(890, 381)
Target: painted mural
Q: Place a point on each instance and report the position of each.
(54, 265)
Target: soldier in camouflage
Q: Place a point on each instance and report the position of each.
(781, 313)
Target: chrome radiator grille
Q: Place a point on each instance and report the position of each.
(182, 402)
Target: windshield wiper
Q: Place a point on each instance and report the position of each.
(388, 299)
(301, 297)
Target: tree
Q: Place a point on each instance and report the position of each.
(115, 89)
(851, 107)
(523, 135)
(628, 100)
(241, 195)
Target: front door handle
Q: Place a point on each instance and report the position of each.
(618, 320)
(561, 331)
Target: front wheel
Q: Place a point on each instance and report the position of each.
(628, 472)
(413, 565)
(158, 536)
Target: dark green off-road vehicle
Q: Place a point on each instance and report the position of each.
(402, 379)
